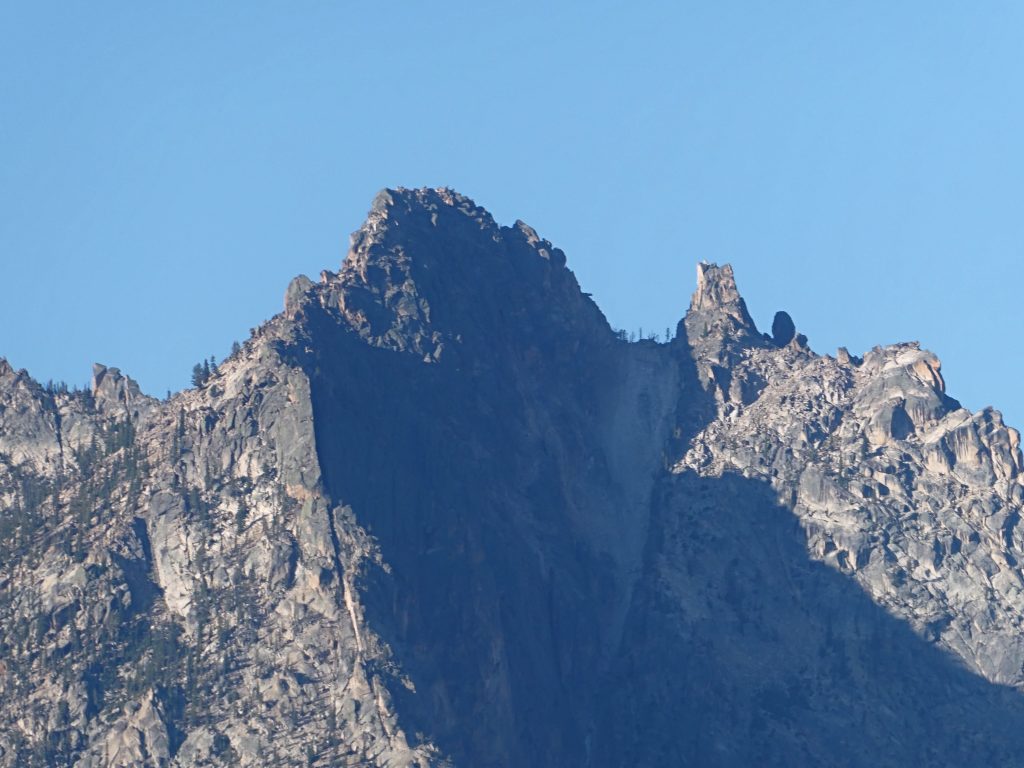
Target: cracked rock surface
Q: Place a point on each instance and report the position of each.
(438, 513)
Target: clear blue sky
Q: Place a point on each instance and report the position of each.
(165, 169)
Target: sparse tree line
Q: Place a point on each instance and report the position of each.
(40, 507)
(52, 388)
(109, 471)
(201, 372)
(633, 336)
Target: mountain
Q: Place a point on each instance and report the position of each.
(439, 513)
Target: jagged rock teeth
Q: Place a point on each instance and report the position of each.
(297, 292)
(436, 514)
(717, 292)
(112, 390)
(718, 315)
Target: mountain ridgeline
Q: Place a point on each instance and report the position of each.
(439, 513)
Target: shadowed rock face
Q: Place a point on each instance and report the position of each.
(437, 513)
(783, 329)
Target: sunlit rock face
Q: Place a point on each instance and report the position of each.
(438, 513)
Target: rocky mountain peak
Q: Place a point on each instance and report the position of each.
(402, 201)
(717, 322)
(398, 214)
(717, 302)
(401, 218)
(430, 270)
(716, 290)
(435, 514)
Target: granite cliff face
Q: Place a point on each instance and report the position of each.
(437, 512)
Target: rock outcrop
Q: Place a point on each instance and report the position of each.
(437, 512)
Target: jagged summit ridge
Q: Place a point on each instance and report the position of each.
(436, 513)
(401, 201)
(430, 269)
(457, 239)
(395, 211)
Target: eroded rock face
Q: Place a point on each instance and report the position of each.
(437, 513)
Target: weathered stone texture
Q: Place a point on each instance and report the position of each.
(437, 512)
